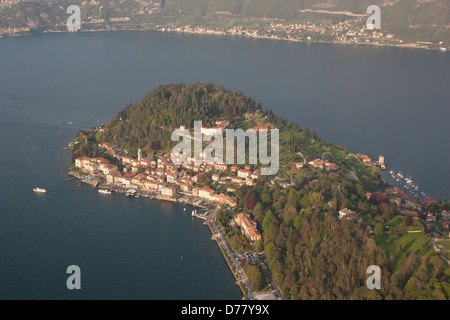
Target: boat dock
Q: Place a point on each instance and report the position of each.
(200, 216)
(85, 179)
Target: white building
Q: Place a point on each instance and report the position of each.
(242, 173)
(171, 177)
(108, 168)
(344, 212)
(168, 191)
(81, 162)
(212, 131)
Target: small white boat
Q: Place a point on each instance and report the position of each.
(104, 191)
(39, 190)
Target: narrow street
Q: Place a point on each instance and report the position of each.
(239, 273)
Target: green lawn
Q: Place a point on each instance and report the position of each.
(398, 224)
(446, 255)
(445, 244)
(417, 242)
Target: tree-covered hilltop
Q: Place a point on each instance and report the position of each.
(149, 124)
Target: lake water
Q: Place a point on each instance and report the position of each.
(374, 100)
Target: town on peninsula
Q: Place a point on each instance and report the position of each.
(266, 225)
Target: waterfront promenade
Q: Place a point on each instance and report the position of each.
(241, 278)
(234, 263)
(210, 220)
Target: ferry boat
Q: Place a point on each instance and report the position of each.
(39, 190)
(104, 191)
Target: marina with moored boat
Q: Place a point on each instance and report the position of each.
(406, 182)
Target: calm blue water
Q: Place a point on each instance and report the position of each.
(126, 248)
(386, 101)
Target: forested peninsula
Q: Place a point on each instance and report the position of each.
(315, 226)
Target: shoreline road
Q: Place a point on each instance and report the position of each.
(239, 273)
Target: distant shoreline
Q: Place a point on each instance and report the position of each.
(219, 33)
